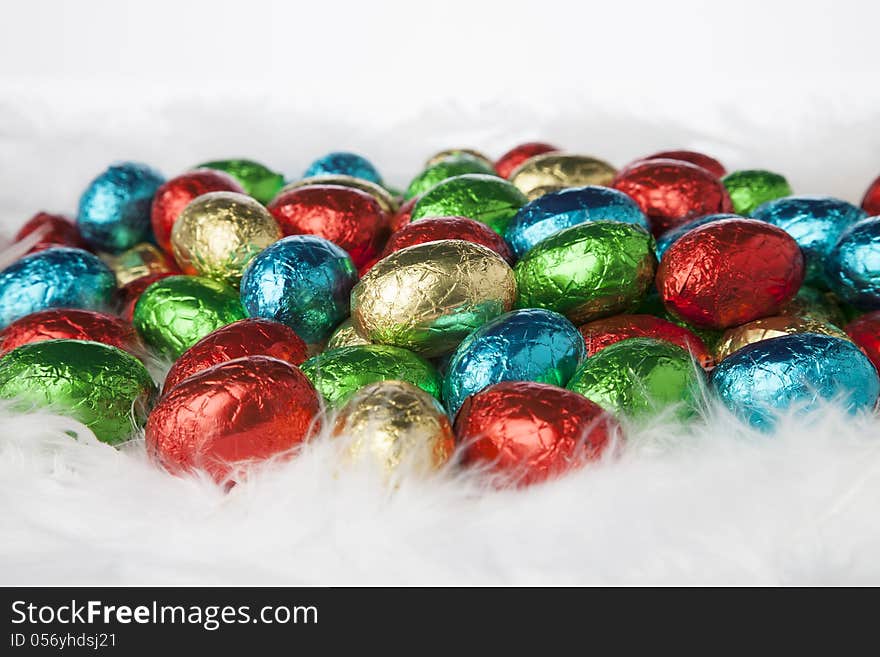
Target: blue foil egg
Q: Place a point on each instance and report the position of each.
(59, 277)
(668, 238)
(795, 373)
(853, 266)
(346, 164)
(522, 345)
(550, 213)
(303, 281)
(815, 222)
(114, 211)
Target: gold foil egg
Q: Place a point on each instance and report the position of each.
(345, 335)
(383, 196)
(429, 297)
(395, 425)
(140, 260)
(452, 152)
(218, 233)
(550, 172)
(771, 327)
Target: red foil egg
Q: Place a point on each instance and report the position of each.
(865, 332)
(604, 332)
(403, 215)
(672, 192)
(448, 228)
(508, 162)
(172, 197)
(710, 164)
(346, 216)
(871, 201)
(71, 324)
(529, 432)
(730, 272)
(246, 337)
(127, 296)
(48, 230)
(223, 418)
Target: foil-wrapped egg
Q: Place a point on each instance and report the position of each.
(672, 235)
(303, 281)
(448, 228)
(672, 192)
(339, 373)
(345, 163)
(443, 169)
(815, 304)
(587, 271)
(865, 332)
(346, 216)
(871, 199)
(71, 324)
(397, 427)
(750, 188)
(815, 222)
(174, 195)
(765, 328)
(225, 418)
(448, 153)
(730, 272)
(141, 260)
(486, 198)
(345, 335)
(701, 160)
(512, 159)
(526, 432)
(429, 297)
(601, 333)
(175, 312)
(101, 386)
(127, 296)
(381, 195)
(555, 211)
(795, 373)
(640, 377)
(522, 345)
(57, 277)
(219, 233)
(257, 179)
(853, 265)
(403, 215)
(44, 230)
(114, 210)
(551, 172)
(246, 337)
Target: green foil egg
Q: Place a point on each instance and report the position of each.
(481, 197)
(257, 179)
(639, 377)
(339, 373)
(101, 386)
(449, 167)
(588, 271)
(750, 188)
(175, 312)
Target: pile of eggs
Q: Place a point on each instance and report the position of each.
(514, 315)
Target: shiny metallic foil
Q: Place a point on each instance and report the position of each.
(587, 271)
(672, 192)
(71, 324)
(749, 188)
(488, 199)
(512, 159)
(246, 337)
(448, 228)
(795, 373)
(344, 163)
(771, 327)
(101, 386)
(339, 373)
(219, 233)
(257, 180)
(555, 171)
(668, 238)
(345, 335)
(445, 168)
(522, 345)
(429, 297)
(871, 199)
(57, 277)
(381, 195)
(853, 266)
(397, 426)
(639, 377)
(127, 296)
(701, 160)
(730, 272)
(175, 312)
(141, 260)
(865, 332)
(448, 153)
(226, 417)
(818, 305)
(46, 230)
(527, 432)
